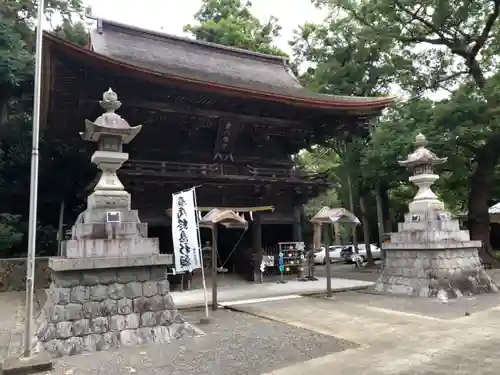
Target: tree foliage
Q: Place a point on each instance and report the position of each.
(231, 23)
(17, 42)
(420, 48)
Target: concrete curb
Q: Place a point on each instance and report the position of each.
(41, 362)
(197, 305)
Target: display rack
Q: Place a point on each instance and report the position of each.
(293, 256)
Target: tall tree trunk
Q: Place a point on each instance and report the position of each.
(4, 103)
(478, 217)
(366, 232)
(384, 195)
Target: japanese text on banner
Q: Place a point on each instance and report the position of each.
(185, 232)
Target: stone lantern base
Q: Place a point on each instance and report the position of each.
(101, 303)
(431, 257)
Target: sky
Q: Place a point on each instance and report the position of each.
(171, 15)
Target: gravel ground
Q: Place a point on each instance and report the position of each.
(233, 344)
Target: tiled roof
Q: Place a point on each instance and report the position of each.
(208, 62)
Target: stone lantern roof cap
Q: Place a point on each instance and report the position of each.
(109, 123)
(421, 155)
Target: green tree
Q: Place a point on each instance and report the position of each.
(344, 57)
(17, 42)
(17, 34)
(450, 43)
(231, 23)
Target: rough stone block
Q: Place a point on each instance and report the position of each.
(117, 323)
(163, 318)
(58, 314)
(99, 325)
(158, 273)
(132, 321)
(128, 337)
(65, 279)
(116, 291)
(107, 276)
(79, 294)
(124, 306)
(133, 290)
(47, 331)
(71, 346)
(125, 276)
(60, 296)
(63, 330)
(90, 278)
(91, 309)
(81, 327)
(98, 293)
(108, 340)
(156, 303)
(169, 302)
(148, 319)
(74, 311)
(130, 274)
(140, 305)
(108, 307)
(163, 287)
(149, 288)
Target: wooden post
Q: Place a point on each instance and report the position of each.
(316, 236)
(60, 231)
(327, 261)
(256, 244)
(214, 266)
(338, 240)
(297, 228)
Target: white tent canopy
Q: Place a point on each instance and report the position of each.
(329, 215)
(225, 217)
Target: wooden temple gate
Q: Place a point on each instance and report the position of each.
(222, 118)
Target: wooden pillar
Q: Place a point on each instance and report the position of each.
(316, 236)
(256, 244)
(328, 272)
(297, 227)
(214, 267)
(338, 240)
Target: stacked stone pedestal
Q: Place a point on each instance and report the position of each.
(432, 257)
(109, 288)
(92, 309)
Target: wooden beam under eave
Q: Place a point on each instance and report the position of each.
(165, 107)
(235, 209)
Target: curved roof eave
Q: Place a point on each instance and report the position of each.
(329, 102)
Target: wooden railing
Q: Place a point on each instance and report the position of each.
(149, 167)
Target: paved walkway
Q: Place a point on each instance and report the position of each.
(195, 297)
(11, 326)
(396, 337)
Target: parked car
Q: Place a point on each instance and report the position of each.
(320, 255)
(348, 251)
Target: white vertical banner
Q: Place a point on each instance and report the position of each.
(185, 231)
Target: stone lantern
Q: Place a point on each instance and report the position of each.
(430, 255)
(115, 229)
(422, 162)
(110, 131)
